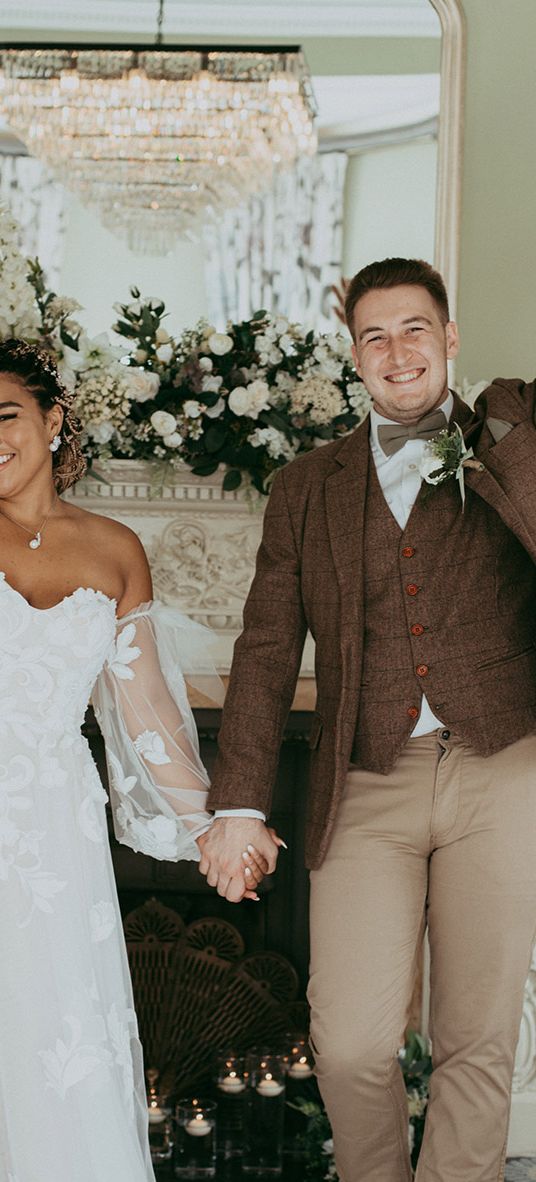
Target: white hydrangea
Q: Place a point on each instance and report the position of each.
(273, 440)
(319, 398)
(102, 397)
(19, 316)
(358, 397)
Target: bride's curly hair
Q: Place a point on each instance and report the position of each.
(35, 369)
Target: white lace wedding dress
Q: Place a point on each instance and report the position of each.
(72, 1093)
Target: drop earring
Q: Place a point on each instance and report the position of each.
(55, 443)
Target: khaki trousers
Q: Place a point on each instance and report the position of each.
(447, 839)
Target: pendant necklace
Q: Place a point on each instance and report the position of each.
(35, 535)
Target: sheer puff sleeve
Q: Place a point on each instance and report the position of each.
(158, 784)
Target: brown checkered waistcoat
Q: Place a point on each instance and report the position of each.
(445, 606)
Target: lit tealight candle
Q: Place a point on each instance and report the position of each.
(269, 1086)
(232, 1084)
(301, 1069)
(198, 1126)
(156, 1116)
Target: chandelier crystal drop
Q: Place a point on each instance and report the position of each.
(159, 139)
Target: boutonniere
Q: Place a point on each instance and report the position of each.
(446, 455)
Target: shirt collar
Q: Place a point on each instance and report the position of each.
(377, 420)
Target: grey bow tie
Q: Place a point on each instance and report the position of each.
(393, 436)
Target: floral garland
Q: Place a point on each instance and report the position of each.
(245, 401)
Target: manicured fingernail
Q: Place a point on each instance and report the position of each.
(251, 849)
(247, 871)
(283, 843)
(245, 857)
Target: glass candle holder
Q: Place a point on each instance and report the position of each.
(264, 1116)
(231, 1082)
(160, 1122)
(195, 1144)
(300, 1072)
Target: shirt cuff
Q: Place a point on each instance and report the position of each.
(239, 813)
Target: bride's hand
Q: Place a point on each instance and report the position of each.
(256, 866)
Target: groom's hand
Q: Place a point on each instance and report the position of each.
(225, 855)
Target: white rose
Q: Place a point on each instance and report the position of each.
(429, 464)
(162, 336)
(164, 353)
(281, 325)
(219, 343)
(206, 364)
(259, 395)
(141, 385)
(100, 432)
(140, 355)
(192, 408)
(163, 422)
(173, 440)
(211, 383)
(239, 400)
(214, 412)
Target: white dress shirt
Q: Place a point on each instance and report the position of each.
(400, 481)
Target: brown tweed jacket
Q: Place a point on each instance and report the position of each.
(310, 576)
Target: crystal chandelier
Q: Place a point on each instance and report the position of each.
(158, 139)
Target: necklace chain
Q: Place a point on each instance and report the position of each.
(35, 534)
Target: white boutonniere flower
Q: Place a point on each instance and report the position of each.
(446, 456)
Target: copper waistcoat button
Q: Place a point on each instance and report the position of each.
(417, 629)
(413, 712)
(408, 552)
(412, 589)
(422, 670)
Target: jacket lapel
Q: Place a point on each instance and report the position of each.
(345, 493)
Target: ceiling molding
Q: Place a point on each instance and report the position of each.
(254, 20)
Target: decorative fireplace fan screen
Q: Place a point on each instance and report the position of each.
(196, 992)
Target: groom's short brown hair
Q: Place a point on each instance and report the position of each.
(392, 273)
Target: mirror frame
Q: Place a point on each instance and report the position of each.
(450, 143)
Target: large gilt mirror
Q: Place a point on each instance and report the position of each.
(387, 82)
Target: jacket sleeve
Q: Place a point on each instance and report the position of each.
(158, 785)
(265, 667)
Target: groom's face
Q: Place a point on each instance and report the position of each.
(401, 350)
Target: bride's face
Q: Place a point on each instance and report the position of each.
(26, 432)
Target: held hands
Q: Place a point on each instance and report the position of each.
(236, 853)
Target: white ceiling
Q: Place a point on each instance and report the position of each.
(297, 18)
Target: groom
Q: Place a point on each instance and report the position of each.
(422, 806)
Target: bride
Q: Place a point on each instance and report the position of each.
(77, 618)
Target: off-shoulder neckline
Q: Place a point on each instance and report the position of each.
(54, 606)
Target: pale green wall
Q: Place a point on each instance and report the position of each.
(497, 297)
(389, 204)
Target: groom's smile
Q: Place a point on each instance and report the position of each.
(401, 349)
